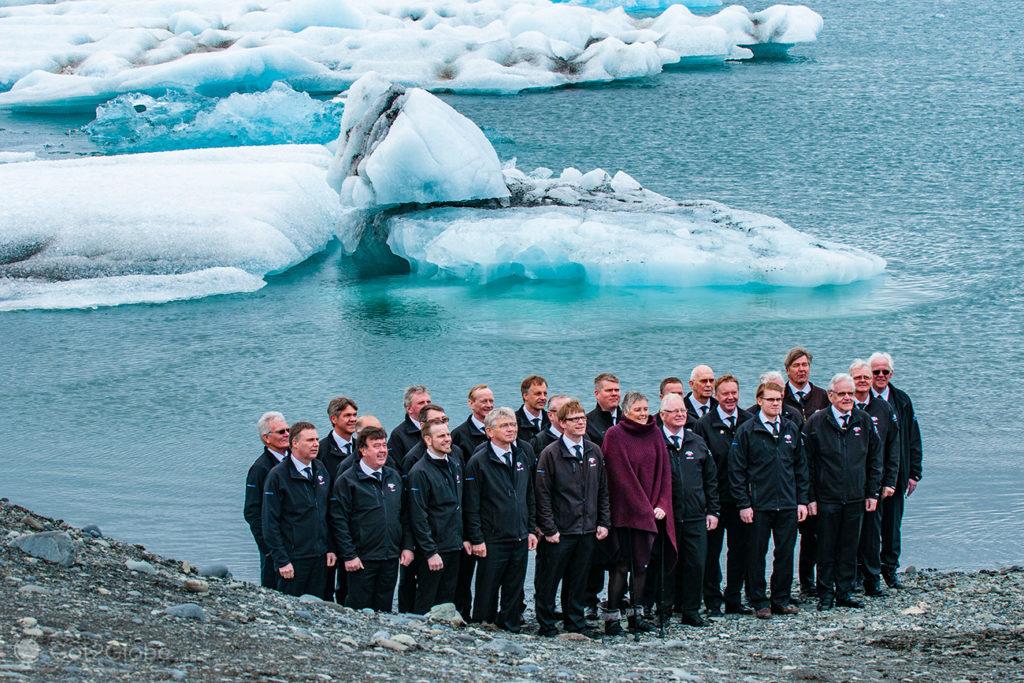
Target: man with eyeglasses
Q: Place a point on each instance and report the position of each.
(273, 431)
(500, 520)
(869, 568)
(700, 400)
(769, 482)
(844, 459)
(573, 513)
(554, 431)
(910, 466)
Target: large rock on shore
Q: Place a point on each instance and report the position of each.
(52, 546)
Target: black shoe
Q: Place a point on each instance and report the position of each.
(547, 632)
(787, 610)
(587, 631)
(692, 619)
(893, 581)
(808, 591)
(849, 601)
(826, 603)
(613, 628)
(872, 589)
(738, 609)
(591, 614)
(714, 611)
(639, 625)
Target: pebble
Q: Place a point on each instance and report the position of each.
(92, 530)
(404, 639)
(27, 622)
(446, 614)
(379, 635)
(188, 610)
(196, 586)
(140, 566)
(505, 647)
(33, 588)
(102, 591)
(528, 668)
(304, 614)
(32, 632)
(309, 598)
(219, 571)
(32, 523)
(393, 645)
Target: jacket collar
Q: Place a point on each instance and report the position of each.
(295, 474)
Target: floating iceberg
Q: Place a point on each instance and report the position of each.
(68, 54)
(137, 122)
(456, 220)
(160, 226)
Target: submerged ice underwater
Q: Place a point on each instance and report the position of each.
(866, 145)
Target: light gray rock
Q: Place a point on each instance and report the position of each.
(445, 613)
(219, 571)
(92, 530)
(196, 586)
(309, 598)
(33, 588)
(52, 546)
(505, 647)
(187, 610)
(140, 566)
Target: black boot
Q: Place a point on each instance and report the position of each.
(637, 623)
(612, 627)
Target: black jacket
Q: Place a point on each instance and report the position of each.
(435, 505)
(718, 436)
(768, 472)
(403, 437)
(845, 465)
(467, 437)
(788, 412)
(351, 460)
(253, 509)
(526, 429)
(572, 495)
(884, 418)
(367, 516)
(694, 478)
(498, 499)
(331, 456)
(911, 451)
(816, 399)
(693, 416)
(600, 421)
(295, 514)
(419, 450)
(542, 441)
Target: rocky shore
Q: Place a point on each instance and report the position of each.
(98, 609)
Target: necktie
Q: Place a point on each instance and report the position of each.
(579, 452)
(378, 476)
(675, 441)
(348, 449)
(800, 396)
(703, 411)
(614, 418)
(732, 422)
(536, 424)
(846, 421)
(861, 406)
(308, 471)
(507, 458)
(775, 429)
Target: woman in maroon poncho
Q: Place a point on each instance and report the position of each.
(640, 491)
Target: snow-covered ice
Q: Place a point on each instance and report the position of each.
(76, 54)
(178, 120)
(13, 157)
(160, 226)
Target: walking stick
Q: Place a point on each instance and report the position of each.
(632, 588)
(661, 592)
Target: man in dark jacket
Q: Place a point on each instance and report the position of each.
(554, 430)
(500, 520)
(695, 506)
(273, 431)
(804, 396)
(336, 452)
(606, 413)
(769, 482)
(789, 412)
(700, 400)
(910, 469)
(571, 487)
(844, 460)
(531, 415)
(470, 435)
(869, 567)
(435, 515)
(407, 433)
(295, 516)
(718, 428)
(368, 523)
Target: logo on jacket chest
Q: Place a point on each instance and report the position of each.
(391, 486)
(856, 431)
(320, 480)
(519, 466)
(689, 455)
(593, 461)
(788, 438)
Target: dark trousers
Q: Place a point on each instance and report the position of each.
(736, 535)
(372, 586)
(685, 582)
(464, 585)
(268, 573)
(500, 577)
(781, 526)
(869, 553)
(336, 584)
(438, 587)
(310, 573)
(567, 561)
(407, 587)
(808, 550)
(892, 520)
(838, 538)
(600, 563)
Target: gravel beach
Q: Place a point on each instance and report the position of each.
(77, 606)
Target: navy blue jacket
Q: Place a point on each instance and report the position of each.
(768, 472)
(718, 436)
(367, 517)
(845, 465)
(499, 499)
(253, 509)
(694, 478)
(435, 505)
(295, 523)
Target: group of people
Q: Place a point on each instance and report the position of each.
(645, 502)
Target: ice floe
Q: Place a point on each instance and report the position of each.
(179, 120)
(75, 54)
(12, 157)
(160, 226)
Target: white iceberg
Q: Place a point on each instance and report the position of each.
(70, 54)
(160, 226)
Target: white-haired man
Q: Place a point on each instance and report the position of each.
(700, 400)
(273, 431)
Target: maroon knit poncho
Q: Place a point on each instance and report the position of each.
(639, 476)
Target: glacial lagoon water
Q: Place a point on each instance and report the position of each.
(899, 131)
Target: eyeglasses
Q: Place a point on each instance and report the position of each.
(771, 400)
(840, 394)
(707, 380)
(575, 418)
(506, 425)
(443, 420)
(281, 431)
(884, 372)
(856, 377)
(675, 411)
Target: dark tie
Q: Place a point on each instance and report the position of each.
(348, 449)
(614, 418)
(846, 421)
(308, 471)
(732, 422)
(800, 396)
(507, 458)
(703, 411)
(775, 429)
(378, 476)
(579, 452)
(675, 441)
(862, 406)
(536, 424)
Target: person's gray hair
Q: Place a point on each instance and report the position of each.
(554, 401)
(498, 413)
(412, 391)
(882, 356)
(773, 377)
(632, 397)
(263, 424)
(693, 373)
(837, 378)
(859, 363)
(670, 398)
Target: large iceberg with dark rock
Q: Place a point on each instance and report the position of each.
(63, 55)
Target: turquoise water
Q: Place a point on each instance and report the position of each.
(899, 131)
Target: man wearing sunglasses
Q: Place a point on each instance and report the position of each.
(910, 469)
(273, 431)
